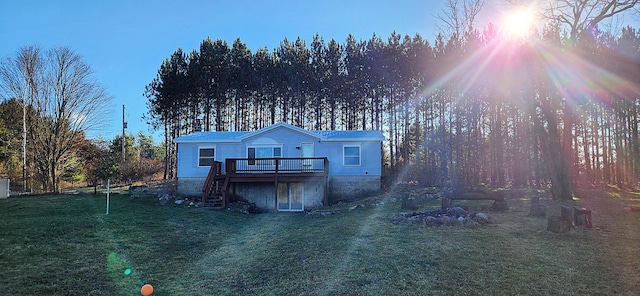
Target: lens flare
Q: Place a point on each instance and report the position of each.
(519, 22)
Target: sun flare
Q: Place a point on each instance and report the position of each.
(518, 23)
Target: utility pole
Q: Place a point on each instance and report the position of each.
(124, 126)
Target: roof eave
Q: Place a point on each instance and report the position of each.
(210, 141)
(369, 139)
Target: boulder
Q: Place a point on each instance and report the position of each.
(481, 218)
(456, 211)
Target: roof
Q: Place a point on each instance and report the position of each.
(237, 137)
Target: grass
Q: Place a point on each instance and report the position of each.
(66, 245)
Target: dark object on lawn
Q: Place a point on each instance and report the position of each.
(409, 203)
(583, 217)
(537, 210)
(455, 216)
(558, 225)
(499, 204)
(138, 188)
(567, 213)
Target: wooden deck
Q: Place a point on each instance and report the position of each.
(261, 170)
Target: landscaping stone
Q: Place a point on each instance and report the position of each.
(165, 196)
(456, 216)
(138, 188)
(319, 213)
(481, 218)
(457, 211)
(244, 207)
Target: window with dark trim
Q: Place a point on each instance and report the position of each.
(263, 152)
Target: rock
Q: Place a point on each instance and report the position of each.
(456, 211)
(179, 201)
(481, 218)
(453, 217)
(325, 213)
(414, 219)
(165, 196)
(138, 188)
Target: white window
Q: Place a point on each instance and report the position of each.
(262, 152)
(206, 156)
(351, 155)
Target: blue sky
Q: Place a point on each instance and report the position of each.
(125, 41)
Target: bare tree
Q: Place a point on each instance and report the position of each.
(18, 78)
(580, 15)
(459, 16)
(66, 99)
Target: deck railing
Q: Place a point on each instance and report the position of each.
(276, 165)
(216, 168)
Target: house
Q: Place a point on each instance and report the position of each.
(280, 167)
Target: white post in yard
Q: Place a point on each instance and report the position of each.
(108, 191)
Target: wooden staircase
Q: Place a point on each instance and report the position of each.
(215, 187)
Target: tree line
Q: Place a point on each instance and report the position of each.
(471, 109)
(50, 100)
(89, 162)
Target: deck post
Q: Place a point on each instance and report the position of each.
(276, 192)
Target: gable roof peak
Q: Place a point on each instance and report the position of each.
(282, 125)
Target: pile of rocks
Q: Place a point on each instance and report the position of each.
(455, 216)
(243, 207)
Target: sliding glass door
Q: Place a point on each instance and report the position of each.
(290, 197)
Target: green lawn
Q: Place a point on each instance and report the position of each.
(66, 245)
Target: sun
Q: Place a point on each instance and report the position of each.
(518, 22)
